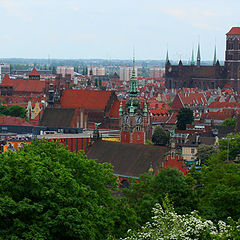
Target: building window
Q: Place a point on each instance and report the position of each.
(138, 137)
(230, 57)
(192, 151)
(230, 45)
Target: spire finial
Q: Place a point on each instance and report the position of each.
(192, 61)
(215, 55)
(198, 55)
(167, 59)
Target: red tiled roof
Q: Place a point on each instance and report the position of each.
(34, 72)
(114, 112)
(219, 115)
(16, 121)
(234, 31)
(89, 99)
(24, 85)
(189, 99)
(224, 105)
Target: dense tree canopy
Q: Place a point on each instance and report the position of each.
(14, 111)
(185, 116)
(229, 122)
(47, 192)
(160, 137)
(204, 152)
(152, 189)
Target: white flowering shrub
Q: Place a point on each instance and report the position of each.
(167, 224)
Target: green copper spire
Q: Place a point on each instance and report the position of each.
(145, 109)
(120, 109)
(133, 84)
(167, 59)
(131, 110)
(215, 56)
(198, 56)
(192, 61)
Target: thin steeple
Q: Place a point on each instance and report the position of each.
(215, 56)
(167, 59)
(192, 60)
(133, 84)
(198, 56)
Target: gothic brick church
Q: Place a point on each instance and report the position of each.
(208, 77)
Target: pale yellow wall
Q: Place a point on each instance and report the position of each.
(187, 153)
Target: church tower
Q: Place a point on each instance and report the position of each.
(232, 54)
(135, 124)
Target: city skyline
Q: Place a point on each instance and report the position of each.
(110, 29)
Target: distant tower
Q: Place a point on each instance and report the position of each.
(215, 56)
(192, 60)
(198, 56)
(135, 121)
(232, 54)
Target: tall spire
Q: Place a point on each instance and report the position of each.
(198, 55)
(167, 59)
(192, 60)
(215, 56)
(133, 84)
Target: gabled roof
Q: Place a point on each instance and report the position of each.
(57, 117)
(24, 85)
(234, 31)
(128, 159)
(193, 99)
(34, 72)
(88, 99)
(15, 121)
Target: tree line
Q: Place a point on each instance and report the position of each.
(47, 192)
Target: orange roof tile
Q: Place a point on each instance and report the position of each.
(234, 31)
(34, 72)
(89, 99)
(24, 85)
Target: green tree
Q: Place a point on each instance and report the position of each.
(17, 111)
(185, 116)
(160, 137)
(219, 196)
(204, 152)
(4, 110)
(167, 224)
(47, 192)
(229, 122)
(230, 147)
(152, 189)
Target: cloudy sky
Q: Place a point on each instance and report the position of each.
(110, 28)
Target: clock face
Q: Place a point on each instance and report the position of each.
(138, 119)
(126, 119)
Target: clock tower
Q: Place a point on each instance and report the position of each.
(135, 123)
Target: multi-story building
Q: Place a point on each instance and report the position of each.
(126, 73)
(65, 70)
(156, 72)
(4, 69)
(99, 71)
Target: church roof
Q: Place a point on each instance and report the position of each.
(88, 99)
(128, 159)
(34, 72)
(234, 31)
(57, 117)
(24, 85)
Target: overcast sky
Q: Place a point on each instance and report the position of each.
(110, 28)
